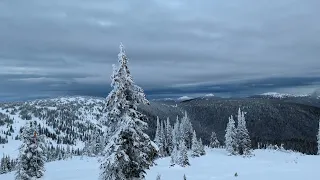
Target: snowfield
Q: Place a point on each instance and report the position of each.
(216, 165)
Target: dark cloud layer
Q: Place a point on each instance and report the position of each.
(52, 48)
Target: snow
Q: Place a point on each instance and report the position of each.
(209, 95)
(87, 112)
(183, 98)
(265, 165)
(281, 95)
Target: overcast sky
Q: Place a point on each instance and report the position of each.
(176, 47)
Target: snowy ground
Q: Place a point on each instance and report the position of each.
(265, 165)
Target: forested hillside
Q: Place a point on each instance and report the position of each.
(73, 121)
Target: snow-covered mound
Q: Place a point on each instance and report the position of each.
(184, 98)
(209, 95)
(281, 95)
(265, 165)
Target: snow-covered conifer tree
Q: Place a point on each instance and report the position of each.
(195, 145)
(169, 137)
(31, 158)
(230, 137)
(87, 149)
(186, 130)
(318, 138)
(183, 159)
(68, 152)
(129, 151)
(174, 156)
(157, 135)
(158, 177)
(201, 148)
(243, 138)
(3, 165)
(162, 148)
(97, 144)
(176, 133)
(102, 145)
(214, 142)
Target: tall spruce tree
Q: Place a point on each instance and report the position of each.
(3, 165)
(157, 135)
(201, 148)
(214, 142)
(183, 159)
(31, 158)
(174, 156)
(230, 137)
(243, 138)
(162, 148)
(186, 130)
(176, 133)
(129, 151)
(318, 138)
(195, 146)
(169, 137)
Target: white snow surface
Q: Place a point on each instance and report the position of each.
(183, 98)
(282, 95)
(209, 95)
(216, 165)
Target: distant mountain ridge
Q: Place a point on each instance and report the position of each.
(292, 120)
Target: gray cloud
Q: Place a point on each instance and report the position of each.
(49, 45)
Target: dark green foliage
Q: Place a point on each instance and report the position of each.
(7, 164)
(269, 121)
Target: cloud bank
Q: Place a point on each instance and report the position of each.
(50, 48)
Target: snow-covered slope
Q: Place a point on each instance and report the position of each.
(184, 98)
(282, 95)
(265, 165)
(64, 121)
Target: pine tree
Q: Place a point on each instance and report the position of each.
(318, 138)
(8, 164)
(195, 146)
(174, 156)
(31, 155)
(176, 133)
(102, 144)
(184, 177)
(129, 151)
(68, 152)
(96, 144)
(201, 148)
(86, 149)
(158, 132)
(162, 140)
(183, 159)
(214, 143)
(186, 130)
(169, 137)
(230, 137)
(158, 177)
(3, 165)
(243, 138)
